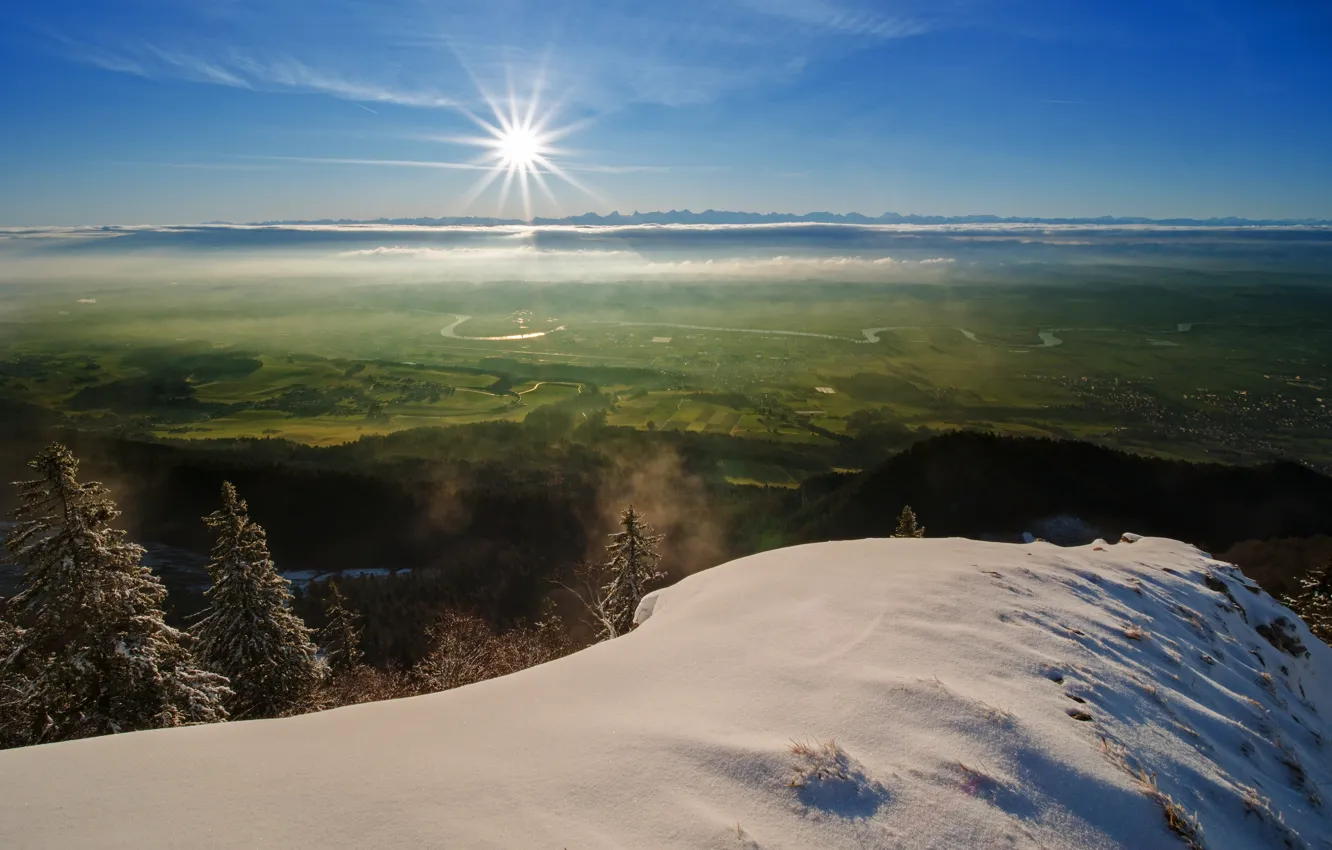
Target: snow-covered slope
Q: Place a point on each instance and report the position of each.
(978, 694)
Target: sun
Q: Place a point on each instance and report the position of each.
(519, 146)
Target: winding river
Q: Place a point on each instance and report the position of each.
(729, 330)
(451, 333)
(1049, 338)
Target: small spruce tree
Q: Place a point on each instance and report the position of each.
(249, 632)
(630, 570)
(906, 524)
(1313, 602)
(92, 653)
(341, 635)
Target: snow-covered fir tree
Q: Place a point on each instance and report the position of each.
(94, 653)
(1313, 602)
(14, 725)
(10, 633)
(341, 635)
(630, 570)
(249, 633)
(906, 524)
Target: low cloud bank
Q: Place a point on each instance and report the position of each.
(777, 251)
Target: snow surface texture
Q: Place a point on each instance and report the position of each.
(877, 693)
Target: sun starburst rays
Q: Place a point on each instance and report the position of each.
(518, 150)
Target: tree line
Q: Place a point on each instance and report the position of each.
(85, 648)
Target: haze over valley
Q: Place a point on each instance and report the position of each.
(745, 424)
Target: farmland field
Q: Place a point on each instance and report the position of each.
(1234, 368)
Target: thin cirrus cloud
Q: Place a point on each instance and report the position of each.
(682, 53)
(384, 163)
(238, 69)
(601, 55)
(448, 165)
(841, 18)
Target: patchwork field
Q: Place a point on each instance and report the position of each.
(1236, 369)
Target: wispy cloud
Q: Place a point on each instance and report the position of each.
(598, 55)
(840, 18)
(193, 67)
(290, 73)
(385, 163)
(105, 59)
(212, 166)
(633, 169)
(237, 68)
(459, 166)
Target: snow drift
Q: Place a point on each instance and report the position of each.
(878, 693)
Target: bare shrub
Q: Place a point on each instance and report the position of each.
(463, 649)
(364, 683)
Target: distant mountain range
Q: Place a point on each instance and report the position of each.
(729, 217)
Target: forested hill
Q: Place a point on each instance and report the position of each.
(443, 496)
(971, 484)
(487, 517)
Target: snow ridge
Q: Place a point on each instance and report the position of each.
(877, 693)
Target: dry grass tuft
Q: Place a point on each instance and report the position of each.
(1116, 752)
(1135, 633)
(976, 782)
(1299, 777)
(1195, 620)
(827, 779)
(996, 714)
(817, 762)
(1261, 807)
(744, 840)
(1178, 820)
(1255, 803)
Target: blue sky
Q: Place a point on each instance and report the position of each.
(121, 111)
